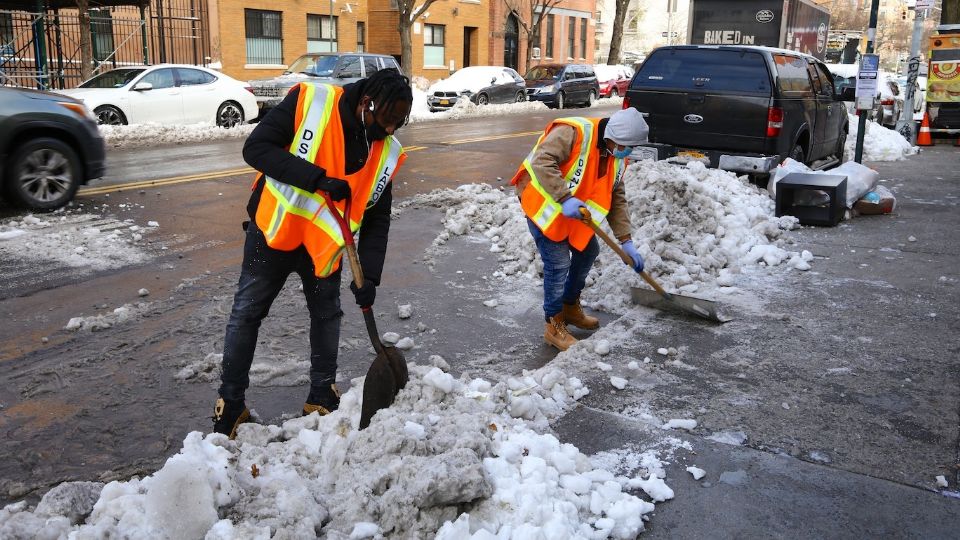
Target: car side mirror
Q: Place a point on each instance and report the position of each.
(493, 80)
(849, 93)
(142, 87)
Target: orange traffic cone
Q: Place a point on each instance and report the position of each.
(923, 138)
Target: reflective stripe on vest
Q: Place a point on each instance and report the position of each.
(289, 216)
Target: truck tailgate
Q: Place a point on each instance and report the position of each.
(706, 121)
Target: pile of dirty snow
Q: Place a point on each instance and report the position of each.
(74, 239)
(452, 458)
(879, 143)
(695, 227)
(151, 134)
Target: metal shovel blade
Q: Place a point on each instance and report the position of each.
(705, 309)
(385, 378)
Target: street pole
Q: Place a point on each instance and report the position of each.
(670, 22)
(905, 124)
(331, 26)
(862, 124)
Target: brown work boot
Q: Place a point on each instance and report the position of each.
(555, 333)
(323, 400)
(227, 415)
(573, 314)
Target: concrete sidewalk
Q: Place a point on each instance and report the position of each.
(844, 379)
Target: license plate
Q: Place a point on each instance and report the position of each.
(444, 101)
(691, 154)
(643, 152)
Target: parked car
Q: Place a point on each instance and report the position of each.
(888, 102)
(612, 80)
(479, 84)
(784, 104)
(167, 94)
(330, 68)
(49, 145)
(559, 85)
(919, 94)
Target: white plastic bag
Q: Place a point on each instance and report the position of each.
(788, 166)
(860, 180)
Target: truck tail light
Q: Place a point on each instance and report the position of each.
(887, 102)
(626, 102)
(774, 121)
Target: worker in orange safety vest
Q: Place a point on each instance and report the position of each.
(321, 139)
(577, 163)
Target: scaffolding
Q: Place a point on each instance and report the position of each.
(40, 39)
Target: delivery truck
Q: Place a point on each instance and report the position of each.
(798, 25)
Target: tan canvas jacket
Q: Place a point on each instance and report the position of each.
(554, 150)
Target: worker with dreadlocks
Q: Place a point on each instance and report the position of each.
(577, 163)
(321, 141)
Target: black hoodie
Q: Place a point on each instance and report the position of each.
(267, 150)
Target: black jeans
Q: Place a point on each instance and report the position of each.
(262, 276)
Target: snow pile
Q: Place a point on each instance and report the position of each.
(151, 134)
(695, 227)
(73, 239)
(120, 315)
(879, 143)
(458, 458)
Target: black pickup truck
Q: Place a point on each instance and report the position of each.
(744, 108)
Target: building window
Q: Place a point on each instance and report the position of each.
(361, 36)
(321, 33)
(572, 36)
(549, 43)
(583, 38)
(264, 36)
(6, 30)
(433, 53)
(101, 34)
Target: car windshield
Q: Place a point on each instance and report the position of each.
(317, 66)
(541, 73)
(115, 78)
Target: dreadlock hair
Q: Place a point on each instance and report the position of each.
(388, 86)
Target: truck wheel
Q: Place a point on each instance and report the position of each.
(841, 145)
(797, 154)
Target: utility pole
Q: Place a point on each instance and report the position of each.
(905, 123)
(331, 26)
(862, 124)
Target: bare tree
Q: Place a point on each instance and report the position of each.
(530, 15)
(845, 16)
(86, 43)
(409, 10)
(616, 35)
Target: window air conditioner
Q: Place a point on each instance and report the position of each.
(535, 53)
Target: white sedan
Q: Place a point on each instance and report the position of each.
(167, 94)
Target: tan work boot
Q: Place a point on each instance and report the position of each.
(322, 400)
(573, 314)
(228, 415)
(555, 333)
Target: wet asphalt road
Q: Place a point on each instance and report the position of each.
(870, 379)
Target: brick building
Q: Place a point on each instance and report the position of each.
(258, 38)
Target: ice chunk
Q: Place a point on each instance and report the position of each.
(405, 344)
(143, 292)
(405, 311)
(603, 366)
(491, 303)
(681, 423)
(602, 347)
(618, 382)
(697, 472)
(656, 488)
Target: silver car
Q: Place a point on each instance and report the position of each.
(331, 68)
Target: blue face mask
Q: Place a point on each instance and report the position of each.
(620, 154)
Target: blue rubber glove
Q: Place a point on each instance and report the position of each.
(571, 208)
(631, 250)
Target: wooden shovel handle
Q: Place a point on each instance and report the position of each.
(627, 260)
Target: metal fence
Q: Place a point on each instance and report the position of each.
(175, 31)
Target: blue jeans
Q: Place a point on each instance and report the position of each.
(262, 276)
(564, 270)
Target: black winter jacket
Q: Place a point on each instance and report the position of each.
(266, 150)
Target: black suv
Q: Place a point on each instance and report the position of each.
(49, 145)
(559, 85)
(329, 68)
(744, 108)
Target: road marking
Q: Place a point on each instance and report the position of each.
(495, 137)
(163, 181)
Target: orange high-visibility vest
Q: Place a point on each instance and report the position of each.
(289, 216)
(584, 180)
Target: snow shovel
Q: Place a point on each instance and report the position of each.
(388, 372)
(657, 298)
